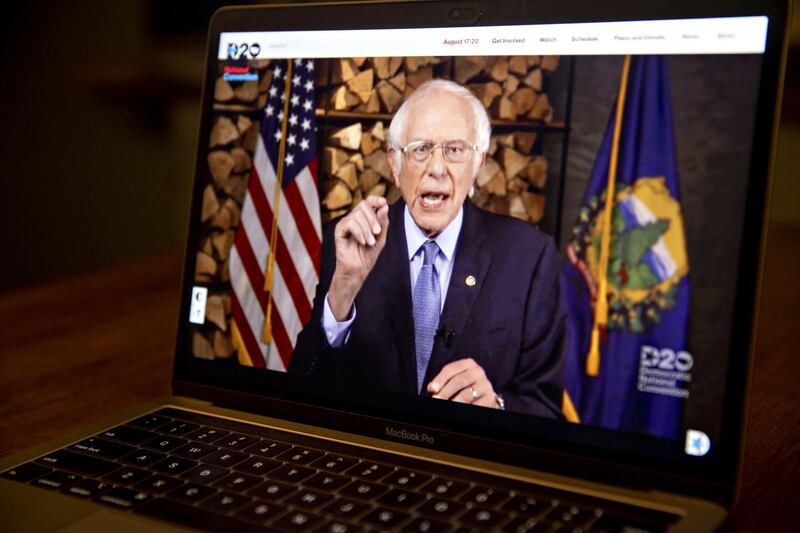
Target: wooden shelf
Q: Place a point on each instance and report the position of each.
(321, 113)
(505, 124)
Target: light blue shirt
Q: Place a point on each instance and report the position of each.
(337, 332)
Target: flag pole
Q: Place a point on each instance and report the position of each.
(266, 334)
(601, 305)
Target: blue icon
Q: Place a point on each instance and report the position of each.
(697, 443)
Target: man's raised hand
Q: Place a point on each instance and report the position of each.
(360, 237)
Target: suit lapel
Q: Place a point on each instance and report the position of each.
(469, 273)
(397, 284)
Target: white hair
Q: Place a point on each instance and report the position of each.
(483, 128)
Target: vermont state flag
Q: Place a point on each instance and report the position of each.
(626, 279)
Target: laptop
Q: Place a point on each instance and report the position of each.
(453, 266)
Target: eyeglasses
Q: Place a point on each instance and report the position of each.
(453, 151)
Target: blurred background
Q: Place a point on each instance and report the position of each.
(101, 103)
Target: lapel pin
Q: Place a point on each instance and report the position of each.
(470, 281)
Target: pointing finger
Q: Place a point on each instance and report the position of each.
(375, 202)
(361, 219)
(371, 217)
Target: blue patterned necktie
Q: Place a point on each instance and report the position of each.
(427, 303)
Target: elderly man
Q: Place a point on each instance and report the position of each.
(431, 295)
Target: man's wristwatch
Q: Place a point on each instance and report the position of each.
(501, 403)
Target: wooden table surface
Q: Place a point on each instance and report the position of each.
(81, 349)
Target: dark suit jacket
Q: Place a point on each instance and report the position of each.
(512, 321)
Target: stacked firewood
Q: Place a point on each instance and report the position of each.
(376, 84)
(244, 96)
(511, 89)
(355, 166)
(213, 340)
(232, 141)
(511, 181)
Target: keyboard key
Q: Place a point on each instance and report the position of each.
(122, 498)
(225, 502)
(238, 482)
(297, 521)
(164, 443)
(482, 518)
(523, 523)
(127, 434)
(526, 505)
(335, 463)
(88, 488)
(205, 474)
(194, 450)
(439, 508)
(291, 473)
(191, 493)
(309, 499)
(569, 515)
(174, 465)
(257, 465)
(127, 475)
(142, 457)
(272, 491)
(150, 421)
(57, 480)
(407, 479)
(300, 456)
(326, 481)
(237, 441)
(485, 496)
(78, 462)
(426, 525)
(26, 472)
(102, 448)
(224, 458)
(363, 490)
(335, 526)
(260, 512)
(267, 448)
(385, 518)
(204, 434)
(400, 499)
(177, 427)
(159, 484)
(445, 487)
(346, 508)
(370, 471)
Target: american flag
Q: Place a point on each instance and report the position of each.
(297, 243)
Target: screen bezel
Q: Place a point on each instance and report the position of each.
(579, 456)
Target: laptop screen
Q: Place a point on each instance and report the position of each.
(533, 230)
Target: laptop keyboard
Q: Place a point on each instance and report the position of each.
(211, 473)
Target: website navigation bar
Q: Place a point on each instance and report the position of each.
(734, 35)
